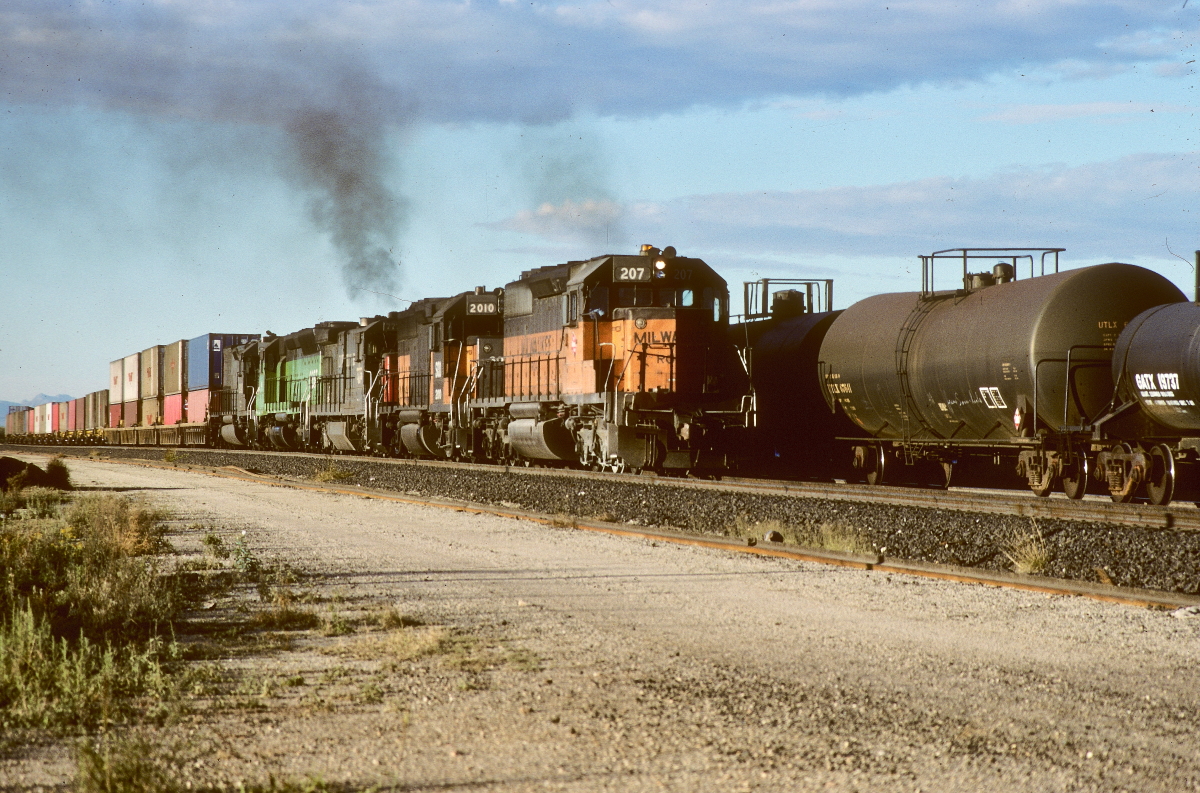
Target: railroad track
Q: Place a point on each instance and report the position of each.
(1181, 516)
(1146, 598)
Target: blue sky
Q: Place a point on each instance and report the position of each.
(171, 168)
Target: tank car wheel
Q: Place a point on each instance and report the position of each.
(1075, 477)
(876, 465)
(1160, 479)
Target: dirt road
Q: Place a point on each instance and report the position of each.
(662, 667)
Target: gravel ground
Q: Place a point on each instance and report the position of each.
(1163, 559)
(663, 667)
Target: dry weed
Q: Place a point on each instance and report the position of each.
(1027, 550)
(332, 474)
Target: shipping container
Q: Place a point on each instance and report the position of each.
(197, 406)
(174, 375)
(204, 366)
(100, 411)
(173, 409)
(72, 412)
(116, 415)
(133, 378)
(39, 419)
(116, 381)
(151, 412)
(129, 413)
(54, 412)
(151, 372)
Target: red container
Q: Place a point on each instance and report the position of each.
(130, 411)
(173, 409)
(52, 410)
(114, 415)
(197, 406)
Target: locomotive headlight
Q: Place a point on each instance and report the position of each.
(660, 265)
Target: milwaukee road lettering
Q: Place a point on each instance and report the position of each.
(534, 344)
(654, 337)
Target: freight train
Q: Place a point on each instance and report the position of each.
(1075, 379)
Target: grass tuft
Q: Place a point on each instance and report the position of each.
(1027, 551)
(126, 765)
(332, 474)
(834, 535)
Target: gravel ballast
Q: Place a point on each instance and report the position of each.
(1163, 559)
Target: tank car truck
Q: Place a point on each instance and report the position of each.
(620, 362)
(1005, 370)
(1149, 442)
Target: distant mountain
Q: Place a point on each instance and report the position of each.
(40, 399)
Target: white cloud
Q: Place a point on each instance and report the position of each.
(589, 220)
(1120, 209)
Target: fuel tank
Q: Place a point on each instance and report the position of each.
(1157, 363)
(988, 364)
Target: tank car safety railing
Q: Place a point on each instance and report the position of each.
(756, 296)
(967, 255)
(1068, 391)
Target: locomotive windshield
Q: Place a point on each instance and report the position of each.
(602, 299)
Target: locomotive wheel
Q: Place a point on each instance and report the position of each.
(1160, 479)
(1075, 477)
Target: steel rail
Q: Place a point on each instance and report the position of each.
(1145, 598)
(1180, 516)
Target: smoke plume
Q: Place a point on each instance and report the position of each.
(340, 158)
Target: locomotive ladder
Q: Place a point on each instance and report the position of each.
(908, 332)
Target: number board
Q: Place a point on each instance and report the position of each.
(482, 304)
(633, 272)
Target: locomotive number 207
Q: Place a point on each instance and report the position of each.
(636, 273)
(481, 308)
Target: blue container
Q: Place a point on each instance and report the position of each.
(204, 358)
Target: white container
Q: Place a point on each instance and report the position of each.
(116, 381)
(132, 379)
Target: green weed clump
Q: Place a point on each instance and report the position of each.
(85, 612)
